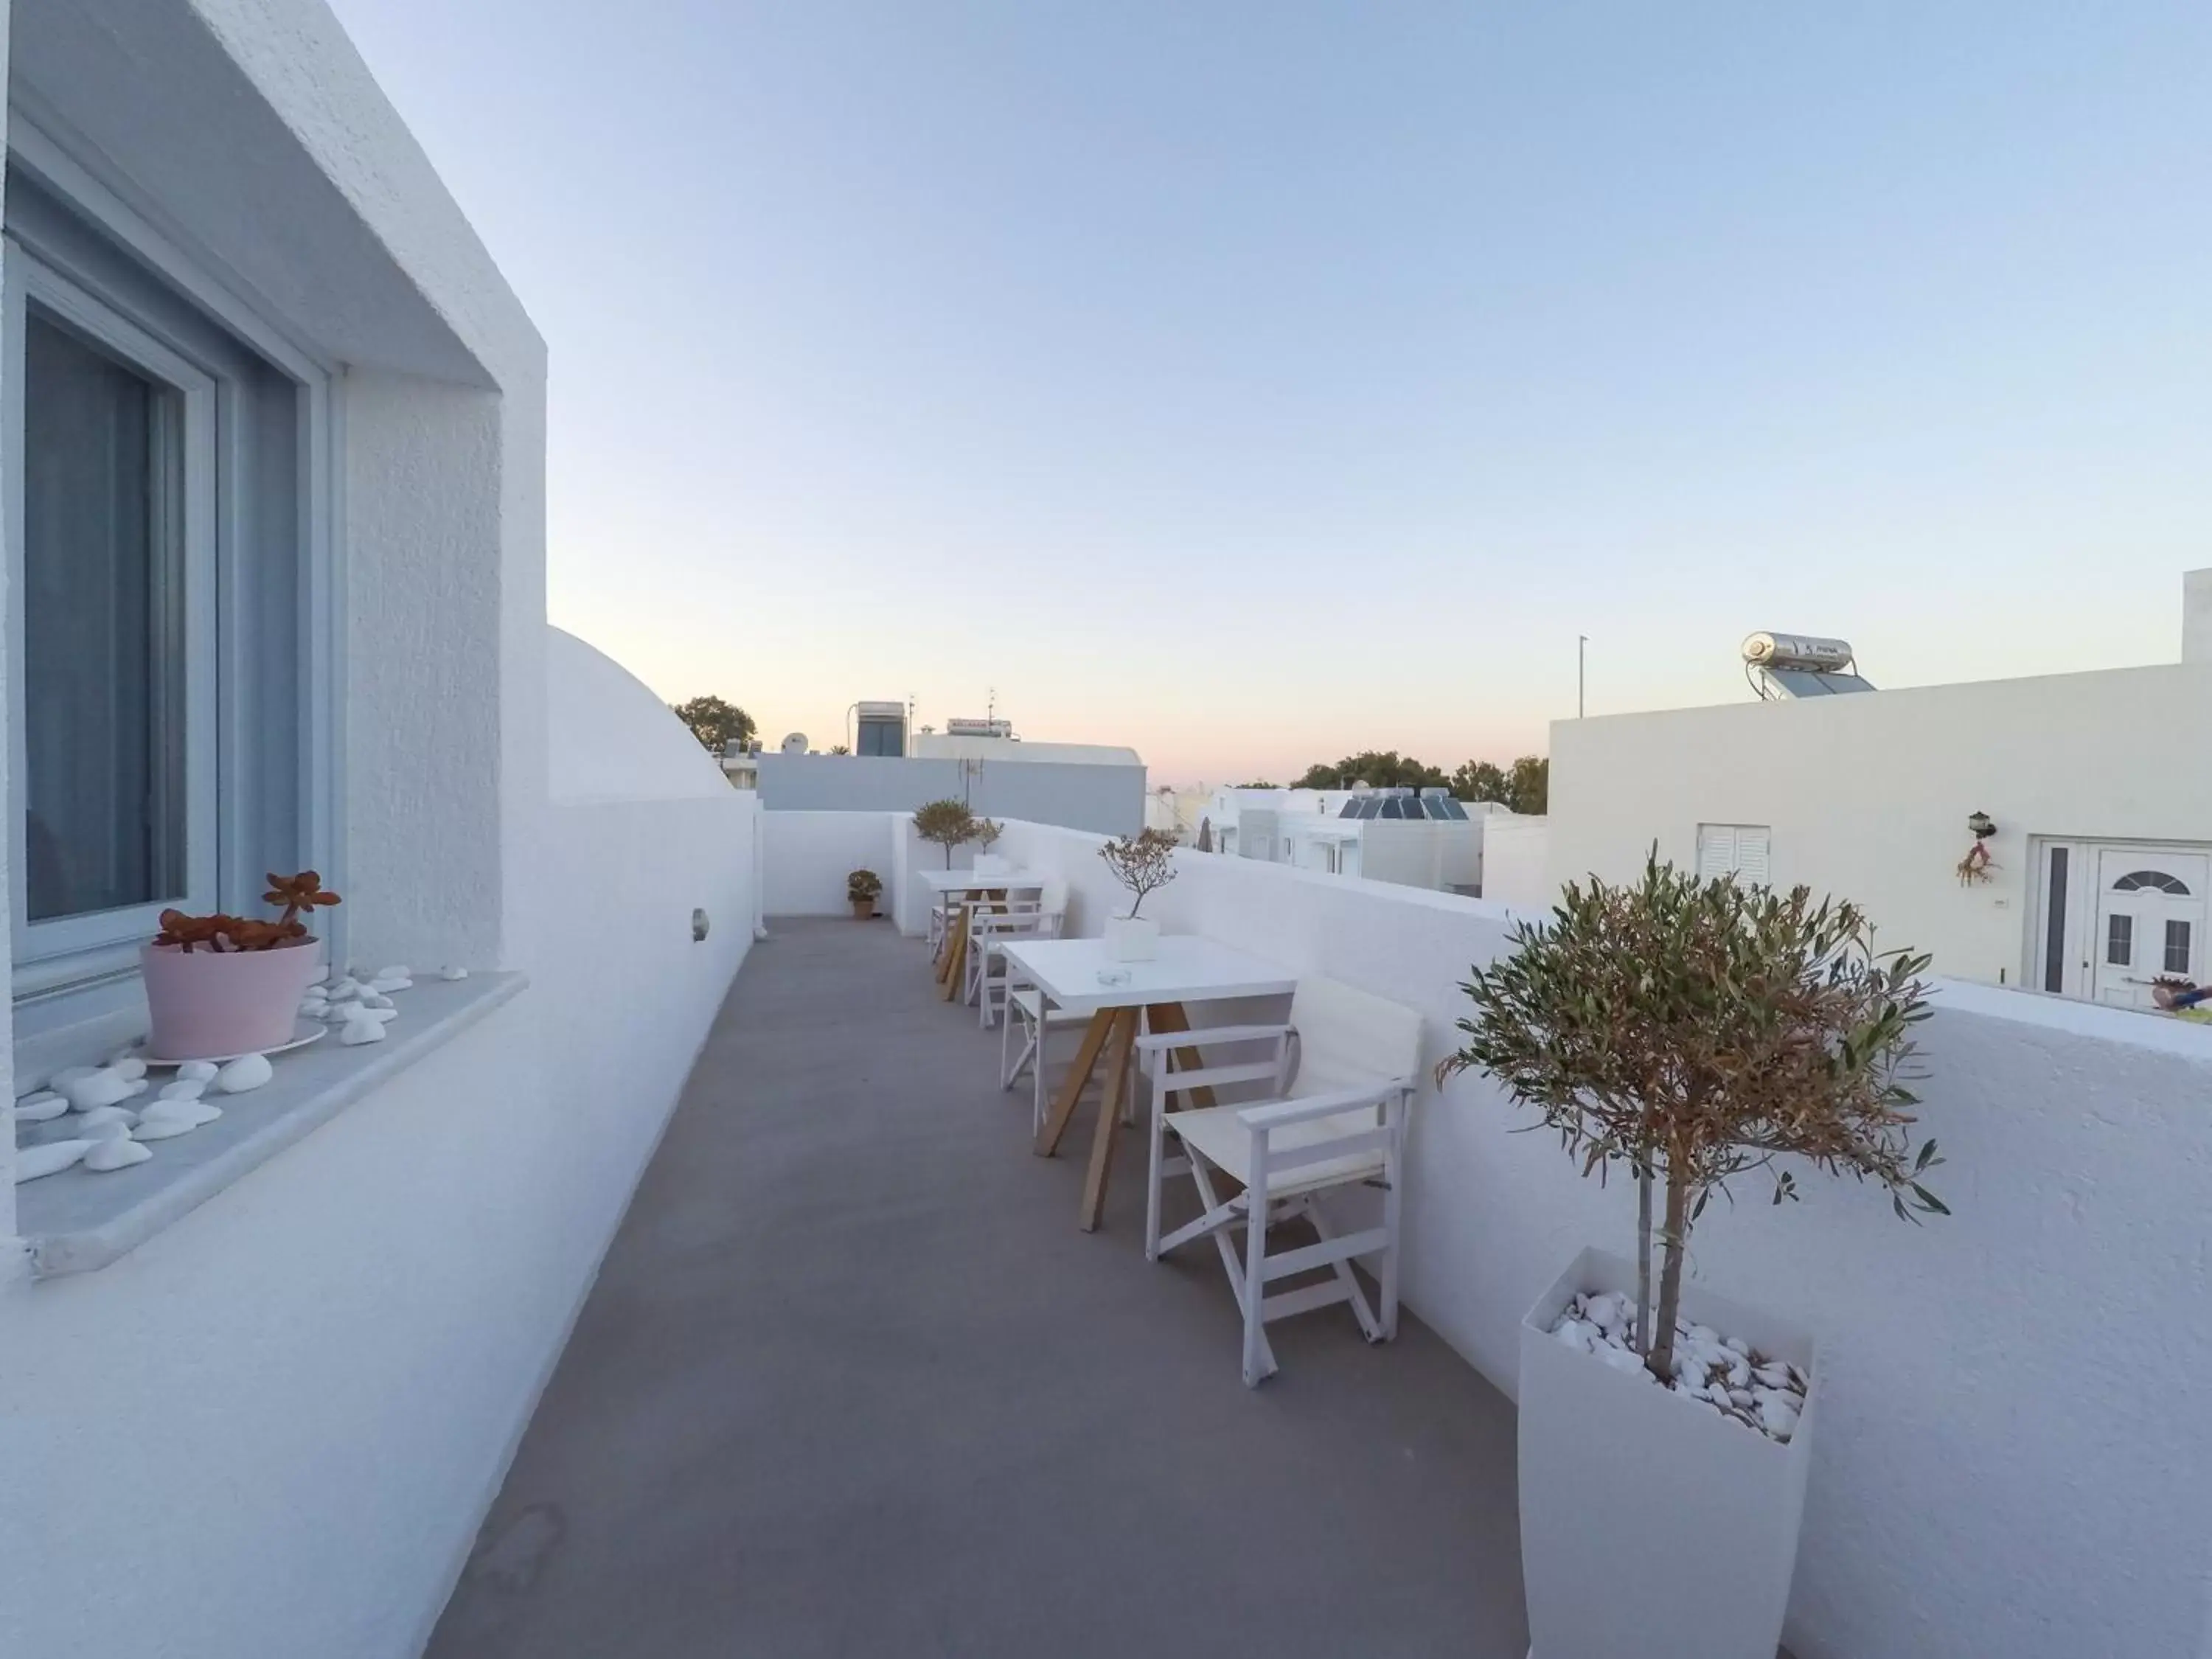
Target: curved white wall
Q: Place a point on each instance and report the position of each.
(288, 1413)
(609, 737)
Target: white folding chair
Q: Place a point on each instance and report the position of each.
(1341, 1075)
(1026, 1013)
(989, 930)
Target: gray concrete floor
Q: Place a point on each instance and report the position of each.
(850, 1382)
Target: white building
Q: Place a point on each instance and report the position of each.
(1083, 785)
(262, 380)
(2099, 785)
(1416, 840)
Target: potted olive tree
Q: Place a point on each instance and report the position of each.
(1143, 863)
(947, 822)
(862, 888)
(1684, 1032)
(988, 863)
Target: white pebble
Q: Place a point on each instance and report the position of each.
(1625, 1362)
(99, 1114)
(246, 1072)
(78, 1129)
(381, 1016)
(358, 1032)
(128, 1067)
(70, 1074)
(185, 1088)
(1575, 1334)
(119, 1154)
(39, 1109)
(31, 1161)
(197, 1070)
(190, 1113)
(162, 1129)
(450, 974)
(96, 1088)
(398, 970)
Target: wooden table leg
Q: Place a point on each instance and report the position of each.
(1171, 1017)
(1086, 1060)
(956, 959)
(1110, 1121)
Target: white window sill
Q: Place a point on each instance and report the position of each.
(78, 1221)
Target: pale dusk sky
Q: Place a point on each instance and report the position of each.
(1254, 383)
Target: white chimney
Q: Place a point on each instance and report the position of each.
(2197, 615)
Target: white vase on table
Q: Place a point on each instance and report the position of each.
(1132, 939)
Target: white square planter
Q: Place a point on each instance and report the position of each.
(1649, 1523)
(1132, 939)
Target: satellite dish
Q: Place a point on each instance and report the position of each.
(795, 743)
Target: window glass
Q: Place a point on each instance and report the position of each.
(2120, 940)
(103, 689)
(2177, 947)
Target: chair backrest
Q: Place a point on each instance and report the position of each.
(1348, 1038)
(1005, 924)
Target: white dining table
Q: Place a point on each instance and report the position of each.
(990, 884)
(1079, 974)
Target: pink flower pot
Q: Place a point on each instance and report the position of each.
(211, 1003)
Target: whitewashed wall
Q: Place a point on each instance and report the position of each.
(1869, 795)
(809, 854)
(340, 1351)
(1514, 854)
(1985, 1483)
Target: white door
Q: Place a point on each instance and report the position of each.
(2149, 922)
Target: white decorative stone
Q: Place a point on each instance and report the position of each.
(347, 987)
(381, 1016)
(99, 1114)
(70, 1074)
(128, 1066)
(96, 1088)
(1623, 1361)
(398, 970)
(111, 1128)
(361, 1030)
(453, 972)
(1576, 1334)
(31, 1161)
(162, 1129)
(190, 1113)
(246, 1072)
(119, 1154)
(197, 1070)
(39, 1109)
(185, 1088)
(141, 1085)
(373, 998)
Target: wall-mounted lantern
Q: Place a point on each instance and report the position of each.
(1982, 824)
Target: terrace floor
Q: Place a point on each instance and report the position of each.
(850, 1382)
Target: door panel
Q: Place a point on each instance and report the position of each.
(2149, 922)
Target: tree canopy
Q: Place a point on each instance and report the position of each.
(1524, 786)
(715, 723)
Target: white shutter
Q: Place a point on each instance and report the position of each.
(1740, 850)
(1716, 850)
(1750, 859)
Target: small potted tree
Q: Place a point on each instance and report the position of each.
(1685, 1032)
(987, 831)
(947, 822)
(1143, 863)
(862, 888)
(221, 985)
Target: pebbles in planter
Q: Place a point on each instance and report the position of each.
(93, 1090)
(198, 1071)
(1726, 1373)
(451, 973)
(39, 1107)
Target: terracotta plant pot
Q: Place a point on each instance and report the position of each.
(864, 909)
(208, 1003)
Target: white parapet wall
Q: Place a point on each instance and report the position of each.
(808, 856)
(2008, 1461)
(342, 1348)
